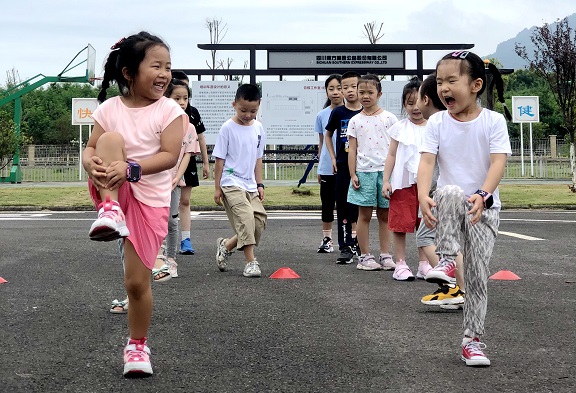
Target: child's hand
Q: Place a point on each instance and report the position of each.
(116, 174)
(355, 182)
(426, 205)
(218, 196)
(175, 182)
(319, 179)
(205, 171)
(334, 168)
(477, 207)
(97, 172)
(386, 189)
(261, 194)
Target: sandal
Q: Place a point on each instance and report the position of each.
(162, 274)
(119, 307)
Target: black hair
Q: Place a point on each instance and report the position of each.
(499, 83)
(429, 89)
(338, 77)
(176, 83)
(350, 74)
(372, 79)
(127, 53)
(470, 64)
(248, 92)
(412, 85)
(180, 75)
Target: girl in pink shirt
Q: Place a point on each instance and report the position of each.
(135, 142)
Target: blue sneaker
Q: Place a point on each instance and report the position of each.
(186, 247)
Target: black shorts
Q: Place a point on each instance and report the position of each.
(191, 174)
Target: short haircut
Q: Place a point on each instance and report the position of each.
(350, 74)
(429, 89)
(373, 79)
(248, 92)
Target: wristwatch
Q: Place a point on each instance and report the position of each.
(133, 172)
(486, 197)
(260, 185)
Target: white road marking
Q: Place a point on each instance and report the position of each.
(519, 236)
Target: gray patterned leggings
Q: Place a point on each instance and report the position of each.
(455, 232)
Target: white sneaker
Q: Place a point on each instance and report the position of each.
(252, 269)
(387, 262)
(367, 262)
(222, 254)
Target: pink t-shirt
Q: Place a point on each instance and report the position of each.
(141, 129)
(189, 145)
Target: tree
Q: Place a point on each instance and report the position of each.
(8, 140)
(554, 59)
(217, 29)
(371, 33)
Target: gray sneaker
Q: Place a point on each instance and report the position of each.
(222, 254)
(367, 262)
(252, 269)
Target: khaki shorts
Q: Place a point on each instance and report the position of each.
(245, 213)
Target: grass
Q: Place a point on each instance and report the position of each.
(512, 195)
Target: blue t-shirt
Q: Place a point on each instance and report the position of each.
(325, 163)
(338, 123)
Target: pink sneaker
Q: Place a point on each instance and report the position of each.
(472, 353)
(367, 262)
(137, 358)
(443, 272)
(110, 224)
(423, 269)
(386, 262)
(402, 272)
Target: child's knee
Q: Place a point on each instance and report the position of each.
(136, 288)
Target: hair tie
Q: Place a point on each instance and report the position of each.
(117, 45)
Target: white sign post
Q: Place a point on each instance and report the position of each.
(526, 109)
(82, 109)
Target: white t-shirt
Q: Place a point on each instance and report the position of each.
(372, 138)
(240, 146)
(463, 148)
(410, 137)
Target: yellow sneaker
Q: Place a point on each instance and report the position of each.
(445, 294)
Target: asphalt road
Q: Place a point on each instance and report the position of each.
(336, 329)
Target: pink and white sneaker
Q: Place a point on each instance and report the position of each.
(402, 272)
(472, 353)
(443, 273)
(423, 268)
(137, 358)
(110, 224)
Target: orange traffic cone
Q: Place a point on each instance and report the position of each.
(2, 281)
(284, 272)
(504, 275)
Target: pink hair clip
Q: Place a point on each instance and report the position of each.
(461, 54)
(117, 45)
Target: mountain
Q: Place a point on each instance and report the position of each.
(505, 50)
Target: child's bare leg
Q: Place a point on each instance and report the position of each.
(430, 254)
(363, 228)
(399, 239)
(249, 252)
(383, 232)
(138, 287)
(110, 148)
(232, 243)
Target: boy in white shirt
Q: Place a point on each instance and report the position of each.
(238, 179)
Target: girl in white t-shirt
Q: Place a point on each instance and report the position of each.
(400, 180)
(471, 145)
(135, 142)
(368, 147)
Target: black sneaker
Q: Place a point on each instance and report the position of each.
(346, 256)
(326, 246)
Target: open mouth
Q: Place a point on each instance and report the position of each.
(449, 100)
(160, 85)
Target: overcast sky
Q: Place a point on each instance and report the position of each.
(41, 37)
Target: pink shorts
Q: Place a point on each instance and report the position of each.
(148, 225)
(403, 213)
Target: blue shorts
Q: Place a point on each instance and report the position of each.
(370, 191)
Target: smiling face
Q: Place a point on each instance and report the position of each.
(368, 95)
(180, 95)
(334, 92)
(154, 74)
(457, 91)
(412, 109)
(246, 111)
